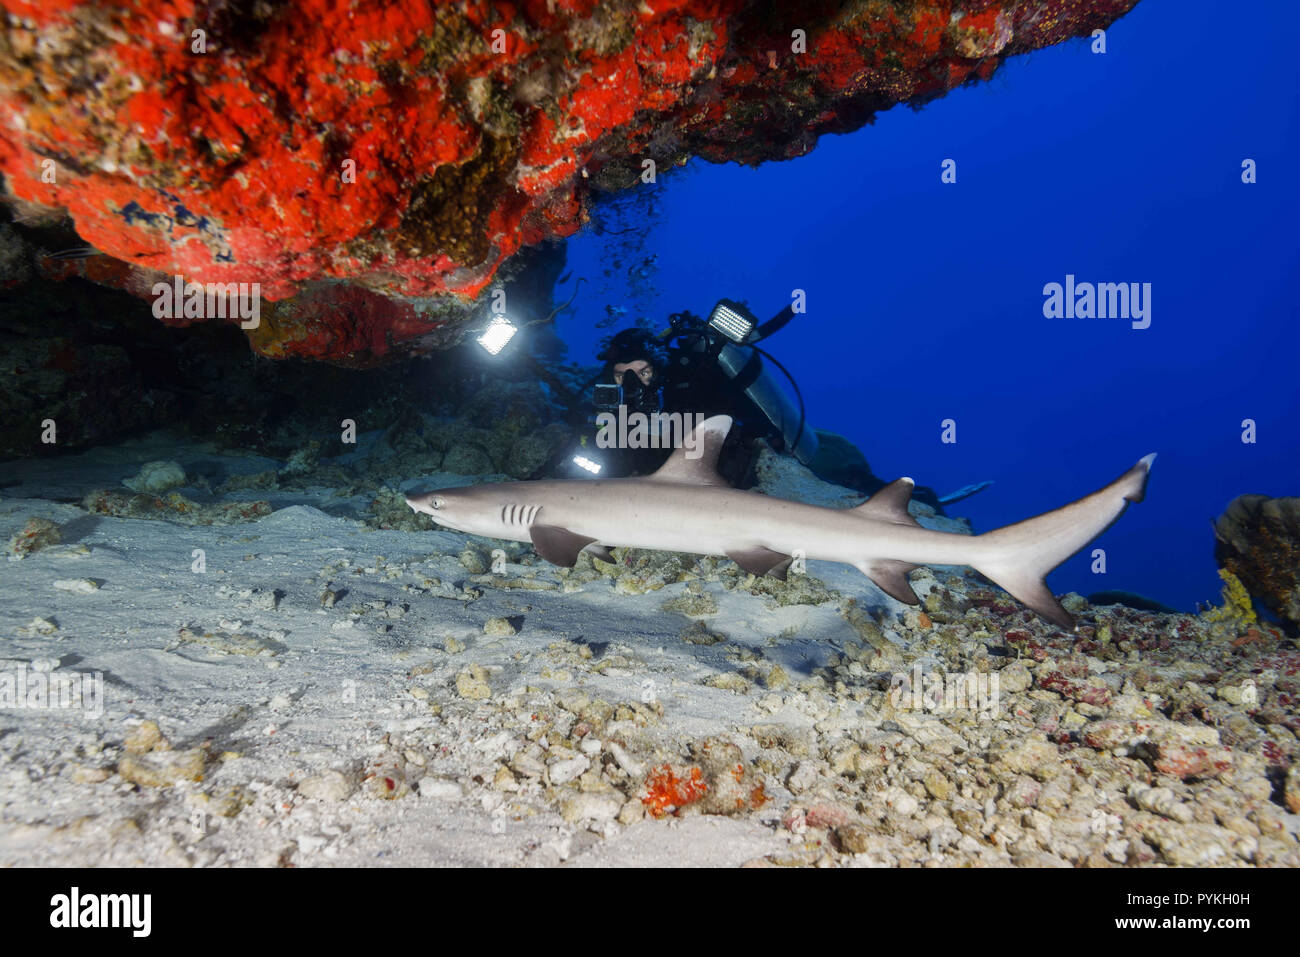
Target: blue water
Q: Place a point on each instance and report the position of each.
(925, 299)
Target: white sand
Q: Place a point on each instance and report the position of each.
(485, 742)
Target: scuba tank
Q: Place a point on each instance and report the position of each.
(744, 366)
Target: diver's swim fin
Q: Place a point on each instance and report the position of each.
(966, 491)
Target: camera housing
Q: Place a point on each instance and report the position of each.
(606, 396)
(631, 392)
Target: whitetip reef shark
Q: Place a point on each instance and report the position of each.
(687, 507)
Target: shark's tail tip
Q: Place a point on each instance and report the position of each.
(1136, 484)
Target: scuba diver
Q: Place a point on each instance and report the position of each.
(710, 367)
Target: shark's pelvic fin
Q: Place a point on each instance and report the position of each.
(559, 546)
(889, 504)
(762, 561)
(891, 578)
(1019, 556)
(601, 552)
(703, 468)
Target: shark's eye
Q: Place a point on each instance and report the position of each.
(435, 503)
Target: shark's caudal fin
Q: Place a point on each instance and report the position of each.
(1018, 557)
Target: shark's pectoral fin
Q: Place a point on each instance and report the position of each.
(891, 578)
(559, 546)
(762, 561)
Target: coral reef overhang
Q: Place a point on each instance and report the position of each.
(410, 149)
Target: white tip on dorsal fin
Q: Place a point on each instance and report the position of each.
(696, 462)
(889, 504)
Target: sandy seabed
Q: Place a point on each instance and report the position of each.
(317, 691)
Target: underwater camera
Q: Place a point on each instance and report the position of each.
(637, 358)
(726, 345)
(606, 396)
(630, 391)
(713, 364)
(641, 389)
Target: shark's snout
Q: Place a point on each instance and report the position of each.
(433, 504)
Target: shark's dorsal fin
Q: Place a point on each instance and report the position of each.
(889, 504)
(702, 469)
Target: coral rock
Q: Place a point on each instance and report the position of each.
(412, 148)
(38, 533)
(1259, 543)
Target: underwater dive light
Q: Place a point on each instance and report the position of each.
(732, 320)
(585, 463)
(496, 334)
